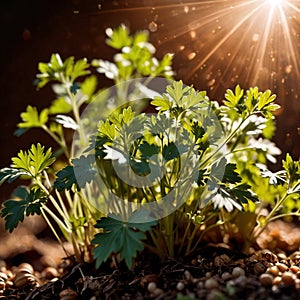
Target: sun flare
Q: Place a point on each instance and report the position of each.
(275, 3)
(218, 44)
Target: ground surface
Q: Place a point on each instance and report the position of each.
(35, 269)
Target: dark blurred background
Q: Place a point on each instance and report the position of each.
(31, 30)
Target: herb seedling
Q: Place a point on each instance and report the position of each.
(169, 181)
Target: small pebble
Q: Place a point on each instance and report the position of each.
(151, 287)
(281, 256)
(180, 286)
(187, 275)
(211, 283)
(273, 270)
(200, 285)
(237, 272)
(226, 276)
(277, 280)
(282, 267)
(288, 278)
(266, 279)
(295, 269)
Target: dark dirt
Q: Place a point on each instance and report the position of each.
(214, 272)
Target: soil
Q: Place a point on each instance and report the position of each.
(35, 268)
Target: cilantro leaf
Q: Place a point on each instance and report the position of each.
(60, 106)
(66, 179)
(34, 161)
(29, 203)
(243, 193)
(120, 236)
(170, 151)
(31, 118)
(80, 173)
(148, 150)
(119, 37)
(162, 103)
(230, 174)
(233, 98)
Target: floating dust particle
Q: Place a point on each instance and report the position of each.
(191, 55)
(298, 130)
(211, 82)
(153, 26)
(186, 9)
(181, 47)
(99, 6)
(255, 37)
(288, 69)
(193, 34)
(76, 12)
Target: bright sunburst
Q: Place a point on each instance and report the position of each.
(221, 43)
(275, 2)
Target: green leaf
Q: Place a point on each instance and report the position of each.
(40, 160)
(31, 118)
(230, 174)
(121, 237)
(170, 151)
(197, 131)
(30, 203)
(243, 193)
(265, 99)
(141, 168)
(60, 106)
(140, 37)
(79, 69)
(119, 37)
(107, 129)
(66, 179)
(176, 91)
(89, 85)
(120, 119)
(218, 169)
(233, 98)
(34, 161)
(77, 175)
(162, 103)
(84, 169)
(292, 168)
(147, 150)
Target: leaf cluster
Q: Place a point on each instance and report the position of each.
(135, 58)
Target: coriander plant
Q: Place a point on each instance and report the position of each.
(189, 172)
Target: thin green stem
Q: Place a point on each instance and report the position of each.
(53, 230)
(226, 141)
(259, 229)
(61, 143)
